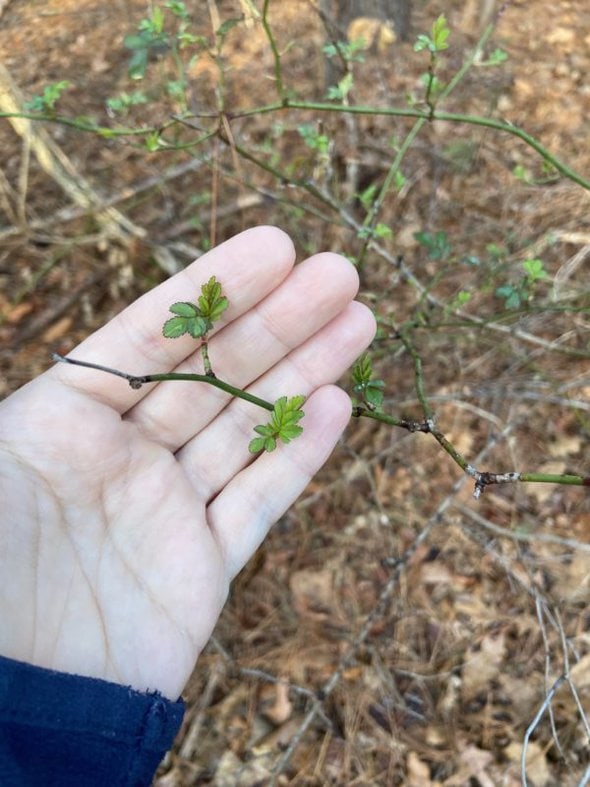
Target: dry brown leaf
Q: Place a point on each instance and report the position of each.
(475, 607)
(482, 666)
(561, 35)
(537, 768)
(313, 593)
(573, 580)
(373, 32)
(418, 772)
(566, 445)
(14, 314)
(524, 694)
(462, 441)
(580, 673)
(232, 772)
(473, 765)
(435, 572)
(57, 330)
(282, 708)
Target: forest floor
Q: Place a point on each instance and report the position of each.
(423, 628)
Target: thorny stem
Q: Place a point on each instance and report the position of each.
(419, 375)
(286, 103)
(319, 106)
(453, 117)
(481, 478)
(136, 381)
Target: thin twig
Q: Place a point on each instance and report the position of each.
(540, 617)
(451, 117)
(532, 726)
(516, 535)
(275, 53)
(482, 478)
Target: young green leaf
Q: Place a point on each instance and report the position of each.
(440, 33)
(535, 270)
(184, 309)
(437, 40)
(282, 426)
(178, 326)
(362, 370)
(436, 244)
(497, 56)
(47, 101)
(262, 444)
(511, 294)
(211, 302)
(197, 319)
(373, 394)
(370, 391)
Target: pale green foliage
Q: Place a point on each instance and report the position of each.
(282, 426)
(437, 40)
(47, 100)
(521, 292)
(197, 319)
(124, 100)
(350, 51)
(369, 390)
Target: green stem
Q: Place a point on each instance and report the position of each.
(428, 99)
(206, 360)
(319, 106)
(137, 380)
(371, 218)
(552, 478)
(283, 178)
(275, 53)
(83, 125)
(419, 376)
(453, 117)
(482, 479)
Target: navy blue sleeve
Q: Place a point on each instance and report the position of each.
(60, 730)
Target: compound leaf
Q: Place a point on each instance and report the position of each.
(282, 425)
(197, 319)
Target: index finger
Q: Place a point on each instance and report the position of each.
(248, 267)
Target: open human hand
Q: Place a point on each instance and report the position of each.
(126, 513)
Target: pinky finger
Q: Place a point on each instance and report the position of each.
(243, 513)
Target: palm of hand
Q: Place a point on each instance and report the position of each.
(126, 579)
(126, 513)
